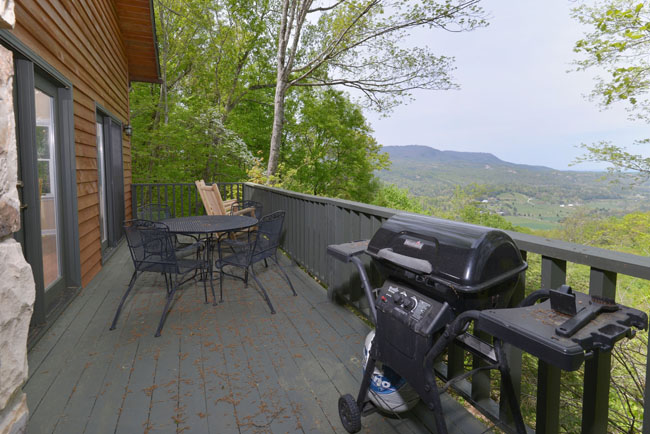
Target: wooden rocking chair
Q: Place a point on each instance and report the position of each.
(212, 201)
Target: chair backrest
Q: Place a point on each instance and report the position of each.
(151, 246)
(269, 231)
(247, 207)
(154, 212)
(211, 198)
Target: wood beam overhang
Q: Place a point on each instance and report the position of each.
(138, 28)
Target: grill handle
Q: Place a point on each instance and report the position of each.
(366, 287)
(416, 265)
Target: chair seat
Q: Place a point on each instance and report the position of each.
(185, 250)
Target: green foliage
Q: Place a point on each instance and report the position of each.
(465, 205)
(619, 41)
(531, 196)
(391, 196)
(628, 233)
(192, 144)
(462, 205)
(209, 55)
(330, 150)
(620, 159)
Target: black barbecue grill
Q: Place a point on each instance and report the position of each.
(439, 277)
(468, 266)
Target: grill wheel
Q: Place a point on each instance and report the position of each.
(349, 413)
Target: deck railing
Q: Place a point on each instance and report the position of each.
(182, 198)
(312, 223)
(315, 222)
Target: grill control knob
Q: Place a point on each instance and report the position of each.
(397, 298)
(408, 303)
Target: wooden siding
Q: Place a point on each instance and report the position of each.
(82, 40)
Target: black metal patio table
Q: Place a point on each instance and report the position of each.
(208, 225)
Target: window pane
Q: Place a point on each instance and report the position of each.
(101, 183)
(42, 141)
(44, 185)
(46, 151)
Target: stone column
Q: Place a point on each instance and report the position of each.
(7, 16)
(17, 283)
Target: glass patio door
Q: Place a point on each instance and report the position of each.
(110, 179)
(47, 185)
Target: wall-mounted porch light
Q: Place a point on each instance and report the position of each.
(128, 130)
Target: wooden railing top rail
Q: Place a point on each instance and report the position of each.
(603, 259)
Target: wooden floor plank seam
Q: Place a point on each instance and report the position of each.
(135, 355)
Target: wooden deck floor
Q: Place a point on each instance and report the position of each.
(231, 368)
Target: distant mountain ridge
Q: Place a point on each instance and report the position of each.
(535, 196)
(427, 154)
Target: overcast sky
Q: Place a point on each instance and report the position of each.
(517, 100)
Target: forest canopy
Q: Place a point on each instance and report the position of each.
(254, 89)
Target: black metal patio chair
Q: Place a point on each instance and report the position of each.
(248, 208)
(152, 250)
(157, 212)
(261, 244)
(154, 212)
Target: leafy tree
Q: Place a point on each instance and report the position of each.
(391, 196)
(619, 41)
(357, 44)
(210, 54)
(331, 151)
(620, 159)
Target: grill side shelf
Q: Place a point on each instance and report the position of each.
(533, 329)
(346, 251)
(349, 252)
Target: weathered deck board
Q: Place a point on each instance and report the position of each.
(231, 368)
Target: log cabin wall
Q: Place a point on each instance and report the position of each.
(83, 41)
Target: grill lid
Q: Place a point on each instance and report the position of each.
(464, 257)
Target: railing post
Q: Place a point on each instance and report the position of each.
(646, 395)
(481, 379)
(595, 400)
(134, 200)
(548, 376)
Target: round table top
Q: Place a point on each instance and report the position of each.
(208, 224)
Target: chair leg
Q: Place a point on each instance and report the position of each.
(220, 287)
(170, 298)
(205, 292)
(126, 294)
(286, 276)
(266, 296)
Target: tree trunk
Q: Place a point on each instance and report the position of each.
(278, 123)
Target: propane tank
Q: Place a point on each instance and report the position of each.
(388, 391)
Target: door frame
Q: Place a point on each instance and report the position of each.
(115, 204)
(27, 68)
